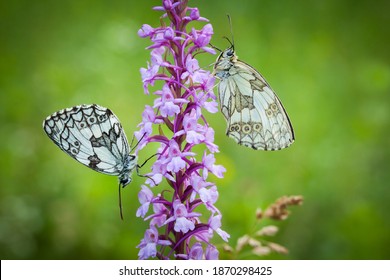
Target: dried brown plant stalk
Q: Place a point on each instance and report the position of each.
(256, 243)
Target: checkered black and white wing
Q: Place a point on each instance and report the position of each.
(93, 136)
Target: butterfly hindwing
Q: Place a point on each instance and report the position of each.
(254, 114)
(93, 136)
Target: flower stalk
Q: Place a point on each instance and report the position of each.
(178, 226)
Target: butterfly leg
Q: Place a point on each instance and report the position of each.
(140, 166)
(149, 158)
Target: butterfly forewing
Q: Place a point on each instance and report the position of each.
(93, 136)
(255, 116)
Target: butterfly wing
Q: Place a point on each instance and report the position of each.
(92, 135)
(255, 116)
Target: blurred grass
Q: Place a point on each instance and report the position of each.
(327, 60)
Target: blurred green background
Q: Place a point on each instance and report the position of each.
(327, 60)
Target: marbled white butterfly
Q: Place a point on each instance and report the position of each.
(255, 116)
(93, 135)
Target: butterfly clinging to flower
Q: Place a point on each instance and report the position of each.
(255, 116)
(93, 135)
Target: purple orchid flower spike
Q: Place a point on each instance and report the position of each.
(176, 229)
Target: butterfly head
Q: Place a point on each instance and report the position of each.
(130, 163)
(124, 180)
(224, 62)
(228, 54)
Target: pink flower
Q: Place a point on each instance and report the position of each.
(149, 244)
(192, 65)
(211, 253)
(145, 31)
(148, 76)
(182, 218)
(193, 130)
(196, 252)
(215, 225)
(168, 105)
(203, 37)
(208, 162)
(145, 196)
(175, 160)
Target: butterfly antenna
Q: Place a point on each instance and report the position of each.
(230, 42)
(231, 30)
(214, 47)
(120, 201)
